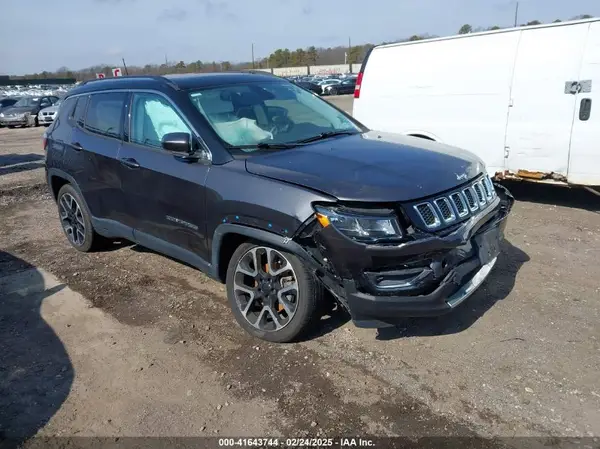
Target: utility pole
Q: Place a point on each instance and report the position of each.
(253, 55)
(349, 48)
(166, 60)
(125, 66)
(516, 14)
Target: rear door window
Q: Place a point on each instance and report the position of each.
(105, 114)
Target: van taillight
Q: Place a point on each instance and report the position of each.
(358, 83)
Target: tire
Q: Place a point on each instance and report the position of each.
(308, 295)
(333, 91)
(11, 126)
(88, 240)
(36, 122)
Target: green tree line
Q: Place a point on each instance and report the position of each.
(282, 57)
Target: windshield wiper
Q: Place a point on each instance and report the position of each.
(327, 135)
(274, 146)
(266, 146)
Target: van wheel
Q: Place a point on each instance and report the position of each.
(271, 293)
(75, 220)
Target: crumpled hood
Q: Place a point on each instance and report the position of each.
(371, 167)
(12, 110)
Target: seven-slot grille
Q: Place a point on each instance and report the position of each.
(456, 205)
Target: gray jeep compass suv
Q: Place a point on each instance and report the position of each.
(265, 187)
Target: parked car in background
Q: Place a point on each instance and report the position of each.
(315, 88)
(6, 103)
(25, 111)
(524, 99)
(324, 84)
(46, 115)
(347, 86)
(274, 192)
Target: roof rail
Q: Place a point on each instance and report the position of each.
(158, 78)
(259, 72)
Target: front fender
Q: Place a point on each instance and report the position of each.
(269, 238)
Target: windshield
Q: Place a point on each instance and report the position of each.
(247, 115)
(26, 102)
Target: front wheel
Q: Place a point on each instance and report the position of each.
(271, 293)
(333, 91)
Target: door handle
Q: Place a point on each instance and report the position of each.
(129, 162)
(585, 109)
(76, 146)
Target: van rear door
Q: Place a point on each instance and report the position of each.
(584, 158)
(541, 117)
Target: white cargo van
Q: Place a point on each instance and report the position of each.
(522, 99)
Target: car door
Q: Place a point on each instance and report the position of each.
(91, 155)
(348, 86)
(584, 157)
(166, 195)
(541, 111)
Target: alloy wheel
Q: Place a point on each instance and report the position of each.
(71, 218)
(266, 289)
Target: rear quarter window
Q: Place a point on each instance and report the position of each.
(78, 114)
(60, 129)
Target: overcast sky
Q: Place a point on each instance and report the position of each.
(38, 35)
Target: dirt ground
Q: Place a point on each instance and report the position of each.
(144, 345)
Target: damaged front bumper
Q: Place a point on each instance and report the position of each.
(427, 276)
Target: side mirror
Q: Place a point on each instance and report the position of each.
(177, 142)
(181, 145)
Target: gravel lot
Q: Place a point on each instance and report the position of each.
(148, 346)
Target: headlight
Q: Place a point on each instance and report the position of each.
(365, 227)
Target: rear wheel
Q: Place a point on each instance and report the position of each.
(271, 293)
(76, 222)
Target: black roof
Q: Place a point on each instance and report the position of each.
(177, 82)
